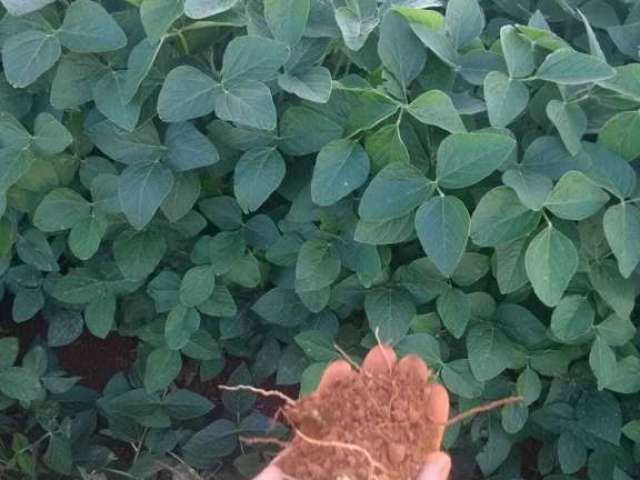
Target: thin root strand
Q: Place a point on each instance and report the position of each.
(482, 408)
(264, 441)
(258, 391)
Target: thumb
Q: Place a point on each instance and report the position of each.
(270, 473)
(436, 467)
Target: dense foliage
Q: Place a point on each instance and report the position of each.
(238, 184)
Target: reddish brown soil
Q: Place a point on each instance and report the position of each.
(382, 414)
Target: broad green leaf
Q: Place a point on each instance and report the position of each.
(139, 65)
(599, 414)
(341, 167)
(78, 287)
(313, 84)
(304, 130)
(386, 146)
(187, 148)
(59, 456)
(428, 25)
(86, 235)
(532, 189)
(572, 453)
(571, 123)
(287, 19)
(281, 307)
(137, 254)
(157, 16)
(197, 285)
(603, 363)
(184, 405)
(182, 322)
(318, 266)
(615, 290)
(258, 173)
(110, 96)
(317, 345)
(551, 261)
(60, 209)
(185, 94)
(49, 135)
(626, 82)
(436, 108)
(356, 21)
(206, 8)
(183, 196)
(467, 158)
(454, 309)
(402, 182)
(616, 331)
(421, 344)
(99, 315)
(572, 319)
(488, 356)
(27, 55)
(457, 377)
(518, 52)
(20, 383)
(253, 58)
(575, 197)
(621, 133)
(463, 21)
(23, 7)
(34, 249)
(161, 368)
(9, 351)
(500, 218)
(632, 430)
(14, 163)
(139, 146)
(27, 303)
(384, 232)
(622, 228)
(529, 386)
(506, 98)
(142, 188)
(246, 102)
(442, 225)
(569, 67)
(389, 311)
(65, 326)
(88, 27)
(74, 80)
(219, 439)
(401, 52)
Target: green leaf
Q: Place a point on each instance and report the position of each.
(49, 135)
(551, 261)
(442, 225)
(139, 146)
(182, 322)
(356, 21)
(616, 331)
(622, 228)
(621, 133)
(575, 197)
(401, 181)
(161, 368)
(258, 173)
(110, 97)
(287, 19)
(27, 55)
(488, 356)
(137, 254)
(454, 309)
(65, 326)
(572, 453)
(206, 8)
(401, 52)
(313, 84)
(467, 158)
(529, 386)
(86, 235)
(157, 16)
(58, 455)
(186, 93)
(389, 311)
(60, 209)
(183, 196)
(281, 307)
(14, 163)
(506, 98)
(317, 345)
(598, 413)
(436, 108)
(572, 319)
(632, 430)
(532, 189)
(602, 360)
(386, 146)
(197, 285)
(9, 347)
(463, 21)
(207, 446)
(615, 290)
(185, 405)
(142, 188)
(318, 266)
(187, 148)
(88, 27)
(457, 377)
(304, 131)
(22, 7)
(500, 218)
(428, 27)
(246, 102)
(20, 383)
(341, 167)
(421, 344)
(34, 249)
(565, 66)
(74, 80)
(252, 58)
(571, 123)
(384, 232)
(518, 52)
(99, 315)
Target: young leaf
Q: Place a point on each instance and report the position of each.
(60, 209)
(318, 266)
(246, 102)
(27, 55)
(569, 67)
(253, 58)
(551, 261)
(575, 197)
(313, 84)
(206, 8)
(571, 123)
(518, 52)
(506, 98)
(188, 149)
(258, 173)
(389, 311)
(442, 225)
(572, 319)
(622, 228)
(463, 21)
(603, 363)
(197, 285)
(88, 27)
(621, 133)
(185, 94)
(436, 108)
(162, 367)
(287, 19)
(99, 315)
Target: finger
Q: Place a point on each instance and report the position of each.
(380, 360)
(438, 408)
(270, 473)
(437, 467)
(336, 372)
(414, 367)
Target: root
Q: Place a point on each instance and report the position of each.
(258, 391)
(376, 333)
(482, 408)
(347, 358)
(264, 441)
(347, 446)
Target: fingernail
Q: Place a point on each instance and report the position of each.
(438, 469)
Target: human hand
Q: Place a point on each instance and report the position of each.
(379, 360)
